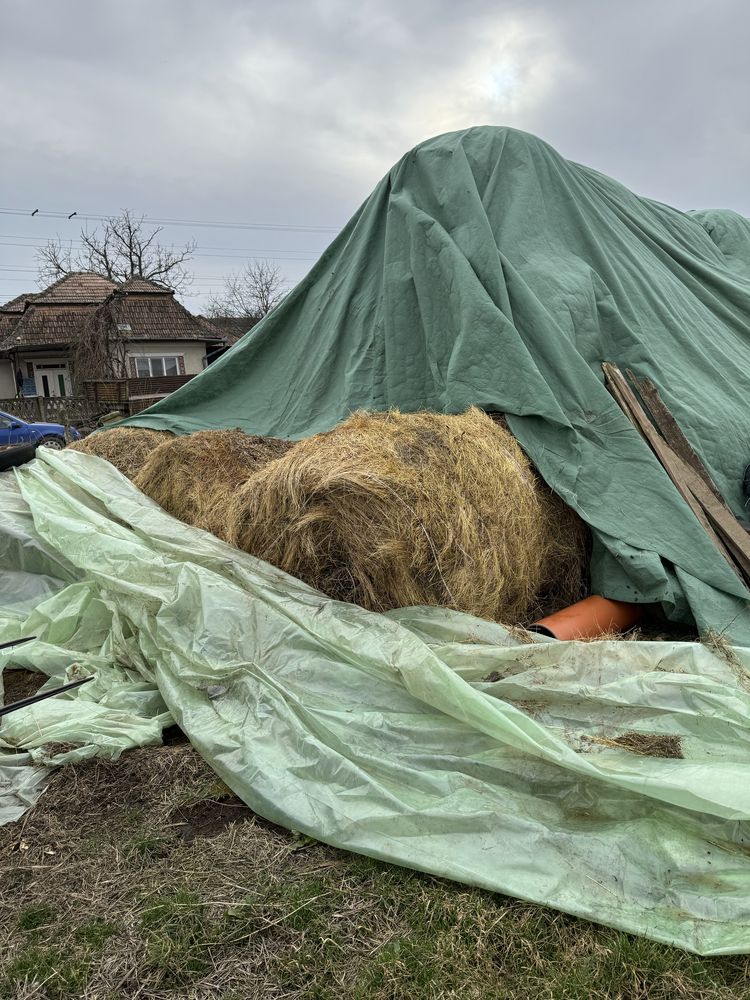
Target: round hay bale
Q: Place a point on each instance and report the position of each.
(391, 510)
(127, 448)
(194, 476)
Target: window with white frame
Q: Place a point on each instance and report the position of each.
(150, 367)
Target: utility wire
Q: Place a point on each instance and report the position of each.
(42, 241)
(28, 266)
(187, 293)
(242, 255)
(205, 223)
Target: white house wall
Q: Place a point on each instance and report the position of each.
(7, 380)
(194, 352)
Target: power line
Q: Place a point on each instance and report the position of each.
(183, 293)
(71, 239)
(280, 260)
(199, 279)
(203, 223)
(288, 255)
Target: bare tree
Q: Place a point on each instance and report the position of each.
(123, 247)
(99, 349)
(250, 294)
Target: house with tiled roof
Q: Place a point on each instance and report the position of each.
(144, 332)
(231, 328)
(11, 311)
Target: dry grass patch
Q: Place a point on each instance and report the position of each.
(146, 878)
(645, 744)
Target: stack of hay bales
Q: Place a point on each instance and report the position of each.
(127, 448)
(387, 510)
(390, 510)
(195, 476)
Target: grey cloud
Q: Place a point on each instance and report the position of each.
(290, 112)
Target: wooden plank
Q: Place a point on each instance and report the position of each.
(726, 524)
(671, 430)
(732, 531)
(632, 409)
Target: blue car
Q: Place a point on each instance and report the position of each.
(14, 431)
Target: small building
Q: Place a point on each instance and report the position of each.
(132, 329)
(230, 329)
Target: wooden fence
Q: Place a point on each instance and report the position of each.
(128, 395)
(131, 395)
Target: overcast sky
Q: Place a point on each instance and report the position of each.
(287, 113)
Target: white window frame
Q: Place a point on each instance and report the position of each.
(150, 358)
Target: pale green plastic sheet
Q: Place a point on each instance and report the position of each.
(382, 733)
(486, 269)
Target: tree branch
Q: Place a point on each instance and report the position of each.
(123, 247)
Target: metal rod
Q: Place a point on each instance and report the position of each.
(7, 709)
(16, 642)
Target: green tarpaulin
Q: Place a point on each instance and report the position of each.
(486, 269)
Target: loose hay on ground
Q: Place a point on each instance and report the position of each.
(391, 510)
(127, 448)
(193, 476)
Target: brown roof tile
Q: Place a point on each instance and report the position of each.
(229, 328)
(157, 317)
(45, 326)
(80, 286)
(18, 304)
(144, 310)
(138, 284)
(7, 322)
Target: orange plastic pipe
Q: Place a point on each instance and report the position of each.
(589, 618)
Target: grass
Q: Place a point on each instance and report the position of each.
(35, 916)
(161, 885)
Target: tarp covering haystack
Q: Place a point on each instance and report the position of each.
(485, 270)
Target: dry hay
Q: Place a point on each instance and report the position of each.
(649, 744)
(391, 510)
(194, 476)
(127, 448)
